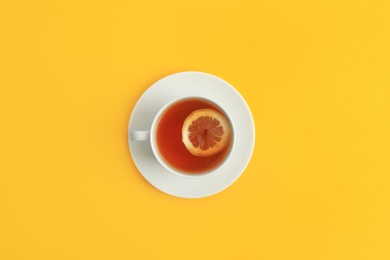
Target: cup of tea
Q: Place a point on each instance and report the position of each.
(189, 136)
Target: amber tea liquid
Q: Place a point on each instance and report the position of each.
(169, 138)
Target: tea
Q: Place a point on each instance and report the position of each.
(169, 138)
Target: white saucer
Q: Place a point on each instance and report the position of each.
(199, 84)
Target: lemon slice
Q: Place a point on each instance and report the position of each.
(205, 132)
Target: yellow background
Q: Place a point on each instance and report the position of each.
(316, 75)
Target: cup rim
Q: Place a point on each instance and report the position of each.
(158, 155)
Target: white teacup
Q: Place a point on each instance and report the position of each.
(177, 160)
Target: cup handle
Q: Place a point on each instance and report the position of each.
(139, 135)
